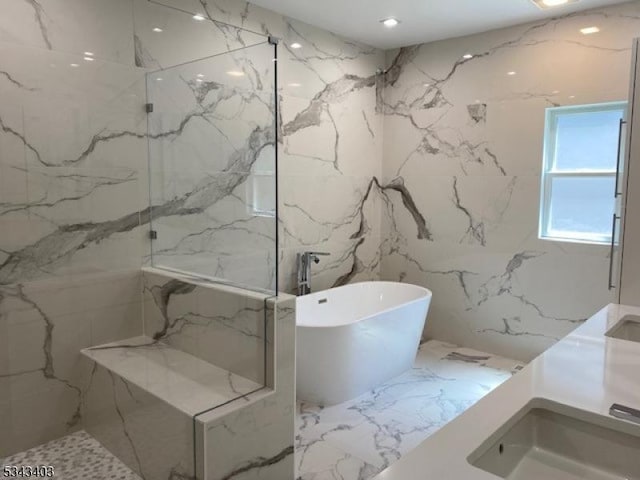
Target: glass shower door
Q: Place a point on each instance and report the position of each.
(212, 167)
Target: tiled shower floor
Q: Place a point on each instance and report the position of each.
(358, 439)
(78, 456)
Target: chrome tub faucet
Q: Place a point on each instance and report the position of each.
(303, 263)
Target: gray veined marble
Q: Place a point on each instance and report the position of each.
(464, 127)
(450, 202)
(75, 210)
(358, 439)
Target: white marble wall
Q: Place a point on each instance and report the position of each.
(256, 441)
(74, 197)
(222, 326)
(465, 139)
(71, 245)
(331, 146)
(170, 415)
(43, 327)
(149, 435)
(330, 136)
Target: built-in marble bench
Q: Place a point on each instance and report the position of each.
(185, 382)
(206, 390)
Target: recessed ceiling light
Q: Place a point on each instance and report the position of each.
(427, 84)
(589, 30)
(199, 80)
(296, 45)
(75, 65)
(158, 79)
(572, 96)
(89, 59)
(200, 75)
(235, 73)
(157, 29)
(89, 54)
(390, 22)
(552, 3)
(199, 17)
(511, 73)
(555, 92)
(467, 56)
(294, 85)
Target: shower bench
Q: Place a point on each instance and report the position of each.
(196, 396)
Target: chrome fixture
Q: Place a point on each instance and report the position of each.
(625, 413)
(304, 260)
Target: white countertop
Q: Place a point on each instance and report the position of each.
(585, 370)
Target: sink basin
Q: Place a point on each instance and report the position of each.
(551, 441)
(628, 328)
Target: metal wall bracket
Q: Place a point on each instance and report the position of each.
(273, 40)
(148, 107)
(153, 235)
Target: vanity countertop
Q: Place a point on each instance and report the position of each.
(585, 370)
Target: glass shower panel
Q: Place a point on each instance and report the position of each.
(212, 167)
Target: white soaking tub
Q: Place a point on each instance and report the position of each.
(351, 339)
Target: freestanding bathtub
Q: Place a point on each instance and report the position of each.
(351, 339)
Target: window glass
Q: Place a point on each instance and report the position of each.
(579, 172)
(587, 140)
(581, 207)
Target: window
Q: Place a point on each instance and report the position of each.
(579, 172)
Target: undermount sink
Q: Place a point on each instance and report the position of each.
(628, 328)
(551, 441)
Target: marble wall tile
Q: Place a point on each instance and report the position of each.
(465, 139)
(73, 159)
(74, 186)
(183, 39)
(44, 325)
(77, 27)
(256, 440)
(150, 436)
(223, 326)
(162, 432)
(330, 127)
(70, 156)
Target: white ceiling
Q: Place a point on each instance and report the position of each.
(422, 20)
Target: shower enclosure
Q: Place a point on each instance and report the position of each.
(210, 103)
(212, 161)
(158, 149)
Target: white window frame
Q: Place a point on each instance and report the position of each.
(549, 173)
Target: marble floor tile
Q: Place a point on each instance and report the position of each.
(356, 440)
(323, 461)
(78, 456)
